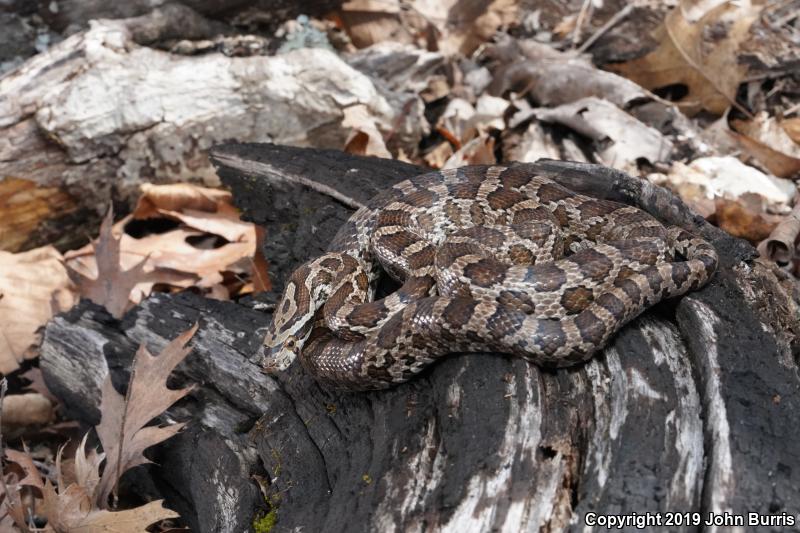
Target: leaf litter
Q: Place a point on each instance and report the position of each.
(492, 81)
(83, 504)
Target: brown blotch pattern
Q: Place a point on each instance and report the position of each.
(593, 264)
(576, 299)
(503, 198)
(521, 255)
(612, 304)
(590, 327)
(503, 323)
(458, 312)
(552, 193)
(486, 272)
(422, 258)
(546, 277)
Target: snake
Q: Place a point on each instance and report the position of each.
(489, 259)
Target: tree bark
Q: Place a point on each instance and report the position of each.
(689, 409)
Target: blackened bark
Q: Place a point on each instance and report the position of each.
(690, 408)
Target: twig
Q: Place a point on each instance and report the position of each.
(610, 23)
(266, 170)
(792, 110)
(576, 36)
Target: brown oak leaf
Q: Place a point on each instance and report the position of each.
(122, 428)
(112, 287)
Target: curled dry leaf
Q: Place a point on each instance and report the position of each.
(779, 246)
(122, 430)
(179, 196)
(32, 478)
(33, 286)
(703, 56)
(364, 138)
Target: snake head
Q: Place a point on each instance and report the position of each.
(278, 358)
(290, 328)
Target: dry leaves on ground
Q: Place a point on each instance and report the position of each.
(622, 140)
(33, 286)
(701, 55)
(446, 25)
(205, 245)
(767, 140)
(82, 504)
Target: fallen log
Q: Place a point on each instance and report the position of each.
(101, 112)
(689, 409)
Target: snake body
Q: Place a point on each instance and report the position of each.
(490, 258)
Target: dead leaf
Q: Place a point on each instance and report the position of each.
(730, 178)
(742, 220)
(464, 26)
(365, 138)
(438, 156)
(602, 121)
(71, 511)
(33, 286)
(533, 145)
(26, 410)
(479, 151)
(779, 246)
(554, 78)
(792, 128)
(179, 196)
(566, 26)
(450, 26)
(33, 478)
(112, 285)
(87, 467)
(768, 141)
(702, 56)
(187, 256)
(122, 430)
(37, 384)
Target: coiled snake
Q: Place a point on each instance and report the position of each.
(490, 259)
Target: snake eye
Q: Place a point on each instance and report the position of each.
(290, 343)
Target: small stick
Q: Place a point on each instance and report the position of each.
(579, 23)
(613, 21)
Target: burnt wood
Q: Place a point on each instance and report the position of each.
(691, 408)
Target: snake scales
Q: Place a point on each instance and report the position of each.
(490, 259)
